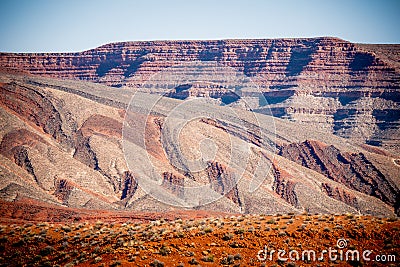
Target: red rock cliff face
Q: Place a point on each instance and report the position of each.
(284, 186)
(353, 170)
(222, 181)
(279, 63)
(36, 108)
(327, 82)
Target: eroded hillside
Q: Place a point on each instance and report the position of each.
(61, 143)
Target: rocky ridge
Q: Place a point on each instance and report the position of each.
(71, 155)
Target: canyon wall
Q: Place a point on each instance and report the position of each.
(352, 90)
(320, 63)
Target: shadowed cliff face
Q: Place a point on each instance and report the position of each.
(280, 62)
(222, 181)
(174, 183)
(63, 189)
(340, 194)
(353, 170)
(284, 186)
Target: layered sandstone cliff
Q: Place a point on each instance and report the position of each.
(319, 63)
(350, 89)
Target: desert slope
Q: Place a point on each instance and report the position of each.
(61, 143)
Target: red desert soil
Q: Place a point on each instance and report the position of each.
(187, 238)
(31, 211)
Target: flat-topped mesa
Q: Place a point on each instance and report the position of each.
(351, 90)
(277, 63)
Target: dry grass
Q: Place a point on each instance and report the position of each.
(205, 242)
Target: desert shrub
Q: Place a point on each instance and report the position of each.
(227, 236)
(234, 245)
(208, 258)
(180, 235)
(239, 231)
(47, 251)
(43, 232)
(282, 233)
(189, 253)
(237, 256)
(271, 221)
(301, 227)
(208, 230)
(164, 250)
(66, 228)
(97, 260)
(193, 261)
(131, 258)
(19, 243)
(228, 260)
(115, 264)
(37, 258)
(82, 256)
(46, 264)
(157, 263)
(120, 242)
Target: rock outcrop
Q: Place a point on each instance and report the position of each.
(223, 182)
(130, 186)
(174, 183)
(63, 189)
(353, 170)
(340, 194)
(36, 108)
(284, 186)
